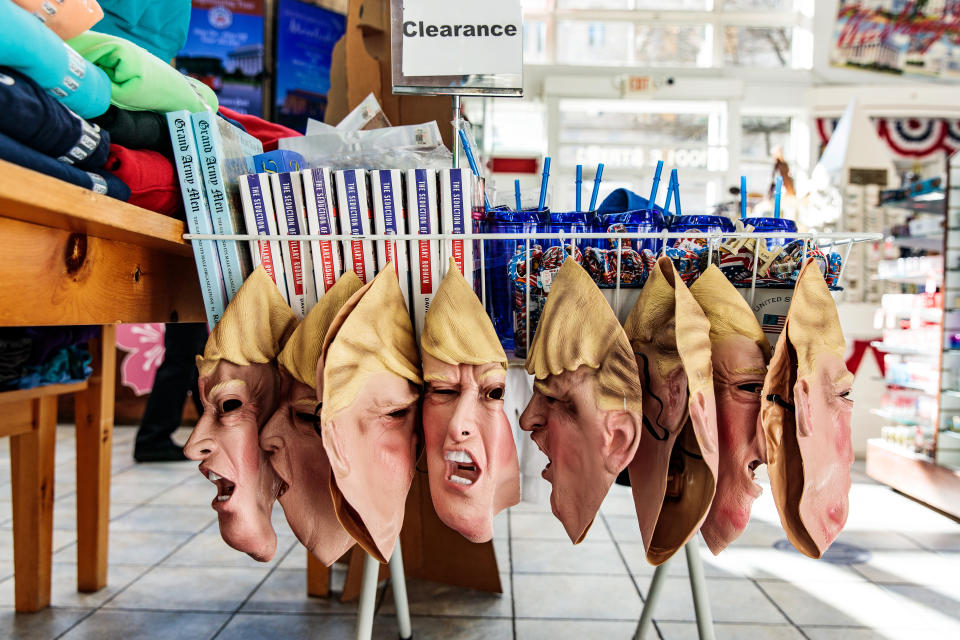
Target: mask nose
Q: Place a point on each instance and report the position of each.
(463, 423)
(270, 438)
(201, 444)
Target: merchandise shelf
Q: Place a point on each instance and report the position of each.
(903, 351)
(908, 422)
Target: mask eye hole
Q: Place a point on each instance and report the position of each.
(231, 404)
(495, 394)
(753, 388)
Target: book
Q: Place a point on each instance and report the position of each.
(390, 217)
(198, 217)
(424, 254)
(456, 218)
(354, 202)
(297, 258)
(322, 220)
(224, 209)
(257, 199)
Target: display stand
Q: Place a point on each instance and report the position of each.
(698, 587)
(368, 596)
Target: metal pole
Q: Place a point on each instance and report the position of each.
(646, 616)
(399, 583)
(456, 132)
(368, 598)
(698, 585)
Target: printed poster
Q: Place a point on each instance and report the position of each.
(903, 37)
(224, 50)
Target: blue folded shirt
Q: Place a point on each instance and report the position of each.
(32, 116)
(158, 27)
(98, 180)
(30, 47)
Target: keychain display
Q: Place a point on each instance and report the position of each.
(739, 355)
(805, 414)
(369, 381)
(586, 410)
(291, 438)
(238, 389)
(471, 458)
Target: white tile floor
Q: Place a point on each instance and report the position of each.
(172, 577)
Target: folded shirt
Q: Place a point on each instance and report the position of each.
(97, 180)
(39, 53)
(266, 132)
(32, 116)
(151, 177)
(158, 27)
(140, 80)
(136, 129)
(66, 18)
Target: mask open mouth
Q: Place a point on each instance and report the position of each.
(462, 469)
(225, 487)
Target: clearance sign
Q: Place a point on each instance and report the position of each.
(462, 37)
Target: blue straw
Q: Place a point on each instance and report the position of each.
(544, 181)
(473, 162)
(652, 204)
(743, 197)
(776, 196)
(579, 186)
(596, 187)
(666, 204)
(676, 190)
(516, 192)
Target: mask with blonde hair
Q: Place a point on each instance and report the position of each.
(585, 413)
(673, 475)
(472, 461)
(805, 413)
(292, 439)
(368, 379)
(239, 391)
(739, 353)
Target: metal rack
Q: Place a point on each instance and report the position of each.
(527, 240)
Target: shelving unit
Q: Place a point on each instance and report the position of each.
(919, 454)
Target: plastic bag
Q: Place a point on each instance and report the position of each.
(366, 116)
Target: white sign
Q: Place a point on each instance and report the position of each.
(462, 37)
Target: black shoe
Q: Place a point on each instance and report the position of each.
(162, 452)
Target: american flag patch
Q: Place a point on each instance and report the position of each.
(773, 323)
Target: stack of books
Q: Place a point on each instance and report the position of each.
(221, 197)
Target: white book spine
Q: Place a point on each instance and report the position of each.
(456, 218)
(424, 255)
(322, 220)
(355, 206)
(257, 200)
(296, 254)
(390, 217)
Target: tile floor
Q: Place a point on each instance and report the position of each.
(172, 577)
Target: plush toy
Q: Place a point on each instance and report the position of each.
(368, 379)
(585, 413)
(292, 439)
(471, 458)
(673, 475)
(805, 411)
(739, 353)
(238, 388)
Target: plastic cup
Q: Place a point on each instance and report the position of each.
(641, 221)
(771, 225)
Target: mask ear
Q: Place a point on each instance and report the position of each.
(621, 437)
(801, 399)
(676, 387)
(339, 461)
(701, 417)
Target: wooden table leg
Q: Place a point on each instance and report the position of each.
(318, 577)
(32, 464)
(94, 417)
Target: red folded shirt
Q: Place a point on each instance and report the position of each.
(151, 177)
(266, 132)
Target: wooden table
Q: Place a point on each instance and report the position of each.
(72, 257)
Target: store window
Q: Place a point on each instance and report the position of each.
(757, 46)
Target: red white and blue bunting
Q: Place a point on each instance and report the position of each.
(907, 137)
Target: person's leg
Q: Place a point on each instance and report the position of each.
(175, 376)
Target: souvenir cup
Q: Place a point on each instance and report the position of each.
(772, 225)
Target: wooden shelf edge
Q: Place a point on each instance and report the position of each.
(920, 479)
(39, 392)
(33, 197)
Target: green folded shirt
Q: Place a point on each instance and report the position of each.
(140, 80)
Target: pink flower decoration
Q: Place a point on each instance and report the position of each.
(144, 346)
